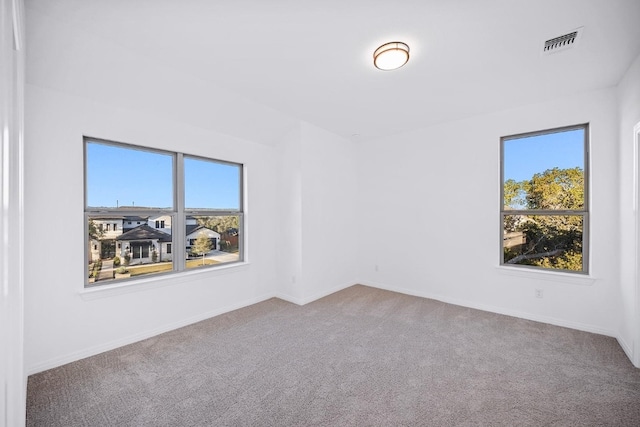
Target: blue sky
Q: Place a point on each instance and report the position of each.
(118, 176)
(525, 157)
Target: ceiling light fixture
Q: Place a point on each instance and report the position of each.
(391, 55)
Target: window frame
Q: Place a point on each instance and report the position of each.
(583, 213)
(177, 213)
(215, 212)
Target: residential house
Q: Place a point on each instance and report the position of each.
(143, 239)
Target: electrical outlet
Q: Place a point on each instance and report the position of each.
(539, 293)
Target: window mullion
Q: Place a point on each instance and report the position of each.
(179, 233)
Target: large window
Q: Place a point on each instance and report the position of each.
(544, 199)
(152, 212)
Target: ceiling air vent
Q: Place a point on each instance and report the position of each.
(563, 42)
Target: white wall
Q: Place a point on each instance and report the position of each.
(61, 323)
(288, 243)
(12, 377)
(317, 201)
(329, 218)
(429, 216)
(629, 112)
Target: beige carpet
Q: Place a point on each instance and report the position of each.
(359, 357)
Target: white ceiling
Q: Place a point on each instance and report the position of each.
(313, 59)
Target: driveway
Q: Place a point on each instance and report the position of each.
(222, 256)
(106, 273)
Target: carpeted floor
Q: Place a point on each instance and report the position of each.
(359, 357)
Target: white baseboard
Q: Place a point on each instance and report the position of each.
(316, 296)
(495, 309)
(628, 350)
(92, 351)
(289, 298)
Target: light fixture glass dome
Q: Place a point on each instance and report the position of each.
(391, 55)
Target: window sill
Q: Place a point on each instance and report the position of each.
(157, 281)
(551, 276)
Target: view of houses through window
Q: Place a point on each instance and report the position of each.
(544, 206)
(137, 238)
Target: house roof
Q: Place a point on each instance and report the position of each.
(193, 228)
(105, 216)
(144, 232)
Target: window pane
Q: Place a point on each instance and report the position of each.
(545, 171)
(211, 185)
(129, 249)
(549, 241)
(212, 240)
(119, 176)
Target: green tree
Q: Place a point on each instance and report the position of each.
(202, 245)
(552, 241)
(95, 232)
(515, 194)
(219, 224)
(556, 189)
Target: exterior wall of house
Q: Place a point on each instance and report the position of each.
(128, 224)
(513, 239)
(215, 237)
(160, 218)
(111, 227)
(164, 255)
(94, 250)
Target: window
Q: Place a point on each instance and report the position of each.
(544, 199)
(203, 207)
(211, 215)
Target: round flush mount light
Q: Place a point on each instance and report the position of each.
(391, 55)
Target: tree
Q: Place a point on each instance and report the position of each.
(552, 241)
(219, 224)
(514, 194)
(95, 233)
(556, 189)
(202, 245)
